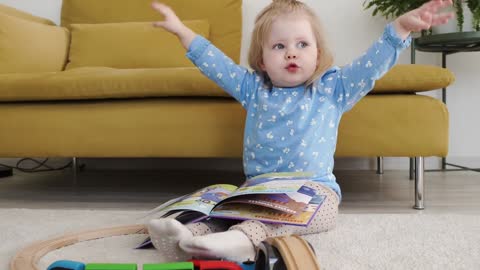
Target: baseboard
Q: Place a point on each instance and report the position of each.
(235, 164)
(389, 163)
(224, 164)
(52, 162)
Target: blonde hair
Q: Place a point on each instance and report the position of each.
(263, 25)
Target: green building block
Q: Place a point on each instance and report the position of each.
(111, 266)
(169, 266)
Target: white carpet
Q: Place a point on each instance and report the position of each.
(373, 241)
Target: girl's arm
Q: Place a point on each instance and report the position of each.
(172, 24)
(234, 79)
(355, 80)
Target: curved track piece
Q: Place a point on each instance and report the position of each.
(27, 258)
(295, 252)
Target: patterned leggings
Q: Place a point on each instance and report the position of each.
(324, 220)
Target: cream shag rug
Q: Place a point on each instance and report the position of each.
(360, 241)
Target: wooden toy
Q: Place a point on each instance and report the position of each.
(287, 252)
(27, 258)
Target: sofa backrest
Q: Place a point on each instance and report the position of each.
(224, 16)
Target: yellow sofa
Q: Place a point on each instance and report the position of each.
(107, 84)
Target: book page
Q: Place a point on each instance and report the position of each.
(280, 202)
(243, 211)
(201, 201)
(284, 192)
(272, 183)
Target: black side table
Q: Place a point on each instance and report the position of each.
(447, 44)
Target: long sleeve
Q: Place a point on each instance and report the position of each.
(355, 80)
(234, 79)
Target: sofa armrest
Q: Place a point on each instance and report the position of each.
(410, 78)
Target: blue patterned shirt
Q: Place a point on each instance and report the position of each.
(295, 129)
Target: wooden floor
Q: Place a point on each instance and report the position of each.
(363, 191)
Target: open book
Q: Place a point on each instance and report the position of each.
(275, 198)
(271, 198)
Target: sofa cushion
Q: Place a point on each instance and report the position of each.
(224, 16)
(413, 78)
(27, 46)
(129, 45)
(23, 15)
(408, 125)
(103, 83)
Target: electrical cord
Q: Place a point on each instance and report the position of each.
(41, 166)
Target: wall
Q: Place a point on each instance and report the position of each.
(351, 30)
(49, 9)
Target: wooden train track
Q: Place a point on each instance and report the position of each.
(27, 258)
(296, 253)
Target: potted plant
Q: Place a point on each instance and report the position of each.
(467, 10)
(392, 8)
(458, 7)
(474, 6)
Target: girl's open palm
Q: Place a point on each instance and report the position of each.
(426, 16)
(171, 22)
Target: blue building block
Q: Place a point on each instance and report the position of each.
(250, 265)
(66, 265)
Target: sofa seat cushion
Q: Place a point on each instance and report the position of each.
(104, 83)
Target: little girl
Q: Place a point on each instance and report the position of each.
(294, 100)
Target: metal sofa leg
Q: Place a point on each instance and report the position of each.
(379, 165)
(74, 170)
(419, 183)
(412, 168)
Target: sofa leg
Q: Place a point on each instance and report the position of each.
(379, 165)
(419, 183)
(412, 168)
(74, 170)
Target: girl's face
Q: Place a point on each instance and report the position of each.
(290, 54)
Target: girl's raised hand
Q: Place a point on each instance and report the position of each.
(171, 22)
(425, 16)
